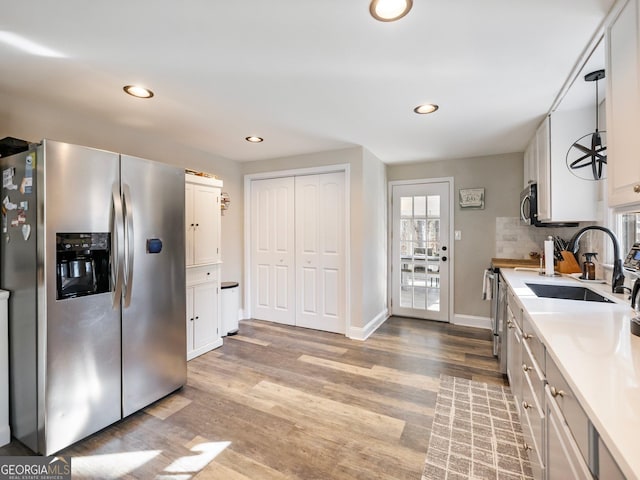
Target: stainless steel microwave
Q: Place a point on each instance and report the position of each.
(529, 205)
(529, 209)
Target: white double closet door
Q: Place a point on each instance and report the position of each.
(298, 251)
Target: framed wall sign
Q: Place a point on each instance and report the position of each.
(471, 198)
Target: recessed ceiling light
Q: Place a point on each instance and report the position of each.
(426, 108)
(254, 139)
(137, 91)
(389, 10)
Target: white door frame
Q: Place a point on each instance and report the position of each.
(248, 178)
(452, 257)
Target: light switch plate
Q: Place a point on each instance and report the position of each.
(458, 234)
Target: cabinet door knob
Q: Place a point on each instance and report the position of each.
(525, 405)
(527, 336)
(525, 368)
(197, 318)
(636, 188)
(556, 393)
(510, 324)
(526, 446)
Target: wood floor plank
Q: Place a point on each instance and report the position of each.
(296, 404)
(378, 372)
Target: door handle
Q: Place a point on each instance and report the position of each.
(129, 243)
(117, 255)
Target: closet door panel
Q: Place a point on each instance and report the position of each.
(272, 250)
(320, 252)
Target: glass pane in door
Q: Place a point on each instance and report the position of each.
(419, 252)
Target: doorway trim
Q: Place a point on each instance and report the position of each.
(452, 256)
(248, 178)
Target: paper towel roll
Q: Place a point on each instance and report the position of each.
(548, 257)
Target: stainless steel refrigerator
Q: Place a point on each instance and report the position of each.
(92, 252)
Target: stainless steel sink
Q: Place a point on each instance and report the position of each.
(567, 292)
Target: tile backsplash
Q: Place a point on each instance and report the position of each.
(517, 241)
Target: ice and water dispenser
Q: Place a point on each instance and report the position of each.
(82, 264)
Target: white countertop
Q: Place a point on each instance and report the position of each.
(592, 346)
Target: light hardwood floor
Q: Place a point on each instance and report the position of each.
(278, 402)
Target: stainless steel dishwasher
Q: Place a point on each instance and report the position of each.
(498, 315)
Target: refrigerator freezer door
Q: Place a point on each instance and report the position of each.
(153, 323)
(81, 375)
(18, 262)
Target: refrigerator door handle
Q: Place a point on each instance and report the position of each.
(117, 257)
(129, 244)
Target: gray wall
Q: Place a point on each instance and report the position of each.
(368, 244)
(374, 241)
(501, 176)
(33, 121)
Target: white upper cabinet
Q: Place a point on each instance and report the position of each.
(563, 196)
(543, 164)
(202, 204)
(531, 163)
(623, 106)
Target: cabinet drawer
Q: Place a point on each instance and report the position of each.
(533, 375)
(563, 457)
(533, 431)
(573, 413)
(536, 348)
(514, 307)
(208, 273)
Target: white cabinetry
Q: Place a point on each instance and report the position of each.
(202, 203)
(563, 196)
(514, 348)
(623, 106)
(563, 458)
(203, 310)
(568, 430)
(531, 163)
(543, 163)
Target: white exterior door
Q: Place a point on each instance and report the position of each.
(421, 260)
(272, 250)
(320, 255)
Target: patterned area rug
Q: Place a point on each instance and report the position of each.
(476, 434)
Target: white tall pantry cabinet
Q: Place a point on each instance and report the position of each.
(202, 205)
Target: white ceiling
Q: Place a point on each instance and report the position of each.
(307, 75)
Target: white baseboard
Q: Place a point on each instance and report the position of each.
(362, 333)
(471, 321)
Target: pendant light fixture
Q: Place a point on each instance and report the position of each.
(594, 154)
(389, 10)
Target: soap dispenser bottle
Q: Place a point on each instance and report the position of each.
(588, 267)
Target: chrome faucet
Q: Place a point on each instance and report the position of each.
(617, 279)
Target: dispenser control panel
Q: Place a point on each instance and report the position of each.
(632, 262)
